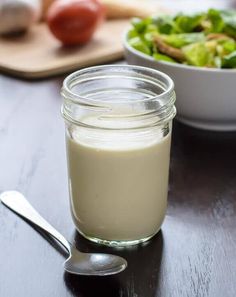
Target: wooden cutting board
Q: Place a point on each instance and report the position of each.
(38, 54)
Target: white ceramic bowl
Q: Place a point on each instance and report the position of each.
(206, 98)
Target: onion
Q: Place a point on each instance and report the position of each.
(18, 15)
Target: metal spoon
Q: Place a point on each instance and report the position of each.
(77, 262)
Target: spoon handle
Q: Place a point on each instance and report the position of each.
(18, 203)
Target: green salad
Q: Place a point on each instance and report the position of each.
(202, 40)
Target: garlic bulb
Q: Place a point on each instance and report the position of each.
(18, 15)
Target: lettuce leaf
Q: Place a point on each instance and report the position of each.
(180, 40)
(187, 24)
(197, 54)
(222, 21)
(217, 22)
(161, 57)
(140, 25)
(229, 61)
(229, 46)
(165, 24)
(140, 45)
(229, 17)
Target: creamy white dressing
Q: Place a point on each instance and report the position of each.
(118, 182)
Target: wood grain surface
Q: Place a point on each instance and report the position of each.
(38, 54)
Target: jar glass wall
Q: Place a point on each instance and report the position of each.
(118, 134)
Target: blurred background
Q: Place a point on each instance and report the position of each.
(190, 5)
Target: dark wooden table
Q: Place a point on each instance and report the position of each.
(193, 256)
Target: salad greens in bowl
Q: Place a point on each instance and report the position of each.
(205, 39)
(199, 53)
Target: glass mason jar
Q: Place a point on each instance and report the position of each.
(118, 134)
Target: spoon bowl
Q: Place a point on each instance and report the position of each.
(94, 264)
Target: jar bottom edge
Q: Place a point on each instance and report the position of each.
(117, 243)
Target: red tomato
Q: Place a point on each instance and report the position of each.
(74, 21)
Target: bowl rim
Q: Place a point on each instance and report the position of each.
(174, 65)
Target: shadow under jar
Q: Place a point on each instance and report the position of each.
(118, 133)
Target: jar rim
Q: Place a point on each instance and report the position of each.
(78, 99)
(159, 97)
